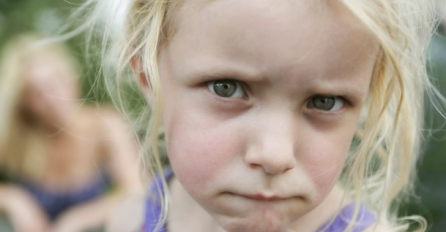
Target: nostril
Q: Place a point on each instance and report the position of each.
(274, 153)
(254, 166)
(270, 164)
(277, 168)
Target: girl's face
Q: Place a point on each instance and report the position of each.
(51, 91)
(262, 99)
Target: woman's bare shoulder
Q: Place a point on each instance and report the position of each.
(101, 112)
(104, 119)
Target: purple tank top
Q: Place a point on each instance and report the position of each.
(364, 219)
(153, 204)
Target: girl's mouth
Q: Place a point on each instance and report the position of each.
(264, 197)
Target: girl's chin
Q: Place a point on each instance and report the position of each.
(254, 227)
(260, 223)
(246, 215)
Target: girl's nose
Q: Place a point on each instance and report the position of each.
(272, 146)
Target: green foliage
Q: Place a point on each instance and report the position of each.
(47, 17)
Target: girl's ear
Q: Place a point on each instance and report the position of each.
(143, 79)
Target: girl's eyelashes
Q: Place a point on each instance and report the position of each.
(326, 103)
(227, 88)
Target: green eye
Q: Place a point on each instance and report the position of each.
(227, 88)
(326, 103)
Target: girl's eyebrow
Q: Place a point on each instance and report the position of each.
(208, 70)
(342, 87)
(332, 86)
(224, 72)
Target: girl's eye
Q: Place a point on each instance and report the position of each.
(227, 88)
(326, 103)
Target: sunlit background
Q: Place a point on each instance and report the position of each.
(47, 16)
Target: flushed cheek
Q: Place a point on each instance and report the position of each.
(199, 149)
(325, 160)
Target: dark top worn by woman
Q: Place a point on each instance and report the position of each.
(55, 203)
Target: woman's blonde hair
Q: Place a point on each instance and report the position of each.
(21, 144)
(380, 170)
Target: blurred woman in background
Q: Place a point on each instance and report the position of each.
(64, 166)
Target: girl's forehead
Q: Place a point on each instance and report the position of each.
(287, 38)
(309, 13)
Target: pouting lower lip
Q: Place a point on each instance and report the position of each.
(261, 197)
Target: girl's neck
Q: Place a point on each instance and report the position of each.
(186, 215)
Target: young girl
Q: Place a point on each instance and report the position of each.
(63, 166)
(280, 115)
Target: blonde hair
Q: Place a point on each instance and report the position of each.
(380, 170)
(21, 144)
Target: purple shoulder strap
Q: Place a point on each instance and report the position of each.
(364, 219)
(153, 203)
